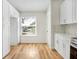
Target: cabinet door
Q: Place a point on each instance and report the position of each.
(56, 43)
(62, 13)
(66, 12)
(61, 47)
(74, 3)
(67, 49)
(64, 49)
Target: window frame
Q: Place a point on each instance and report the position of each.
(35, 27)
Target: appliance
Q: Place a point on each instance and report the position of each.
(73, 48)
(74, 42)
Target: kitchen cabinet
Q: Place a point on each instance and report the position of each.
(74, 10)
(67, 50)
(68, 12)
(60, 50)
(59, 44)
(62, 45)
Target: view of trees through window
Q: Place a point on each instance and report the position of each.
(28, 25)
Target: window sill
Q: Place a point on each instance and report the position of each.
(28, 35)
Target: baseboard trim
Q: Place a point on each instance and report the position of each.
(6, 55)
(57, 53)
(10, 50)
(32, 43)
(54, 49)
(15, 45)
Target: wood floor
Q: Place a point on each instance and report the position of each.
(32, 51)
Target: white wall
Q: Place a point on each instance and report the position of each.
(6, 29)
(41, 28)
(13, 11)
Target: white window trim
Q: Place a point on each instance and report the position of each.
(35, 29)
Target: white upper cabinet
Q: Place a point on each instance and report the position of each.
(68, 12)
(74, 11)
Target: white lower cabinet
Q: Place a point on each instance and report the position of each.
(67, 52)
(60, 50)
(62, 45)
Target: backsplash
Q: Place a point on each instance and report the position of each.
(71, 29)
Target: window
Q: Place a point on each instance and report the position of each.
(28, 25)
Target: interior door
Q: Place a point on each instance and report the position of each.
(13, 31)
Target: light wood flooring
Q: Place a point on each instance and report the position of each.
(32, 51)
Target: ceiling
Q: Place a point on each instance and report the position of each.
(30, 5)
